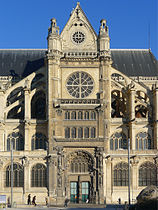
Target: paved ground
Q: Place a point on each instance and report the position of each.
(109, 207)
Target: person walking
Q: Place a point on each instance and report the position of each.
(34, 201)
(29, 199)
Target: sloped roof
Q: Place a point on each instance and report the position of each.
(20, 62)
(135, 62)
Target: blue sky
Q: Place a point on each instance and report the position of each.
(24, 23)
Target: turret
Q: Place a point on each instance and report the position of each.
(54, 41)
(103, 37)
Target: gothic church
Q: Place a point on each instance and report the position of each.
(68, 112)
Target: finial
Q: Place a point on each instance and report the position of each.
(78, 3)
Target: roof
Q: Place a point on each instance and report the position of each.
(20, 62)
(137, 62)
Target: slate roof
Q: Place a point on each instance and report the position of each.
(22, 62)
(135, 62)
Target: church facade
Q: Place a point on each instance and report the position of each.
(68, 112)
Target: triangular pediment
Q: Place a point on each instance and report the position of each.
(78, 34)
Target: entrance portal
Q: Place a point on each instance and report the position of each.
(75, 196)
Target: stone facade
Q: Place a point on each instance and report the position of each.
(70, 119)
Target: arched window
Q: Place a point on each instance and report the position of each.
(17, 140)
(80, 132)
(18, 175)
(80, 115)
(93, 115)
(121, 174)
(86, 132)
(81, 163)
(147, 174)
(143, 141)
(86, 115)
(73, 132)
(38, 106)
(93, 132)
(118, 141)
(67, 132)
(73, 115)
(38, 176)
(39, 141)
(67, 115)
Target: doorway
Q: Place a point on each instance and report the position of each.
(76, 194)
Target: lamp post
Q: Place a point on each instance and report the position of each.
(129, 200)
(11, 174)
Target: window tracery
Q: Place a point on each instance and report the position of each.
(118, 141)
(121, 174)
(80, 85)
(80, 162)
(38, 141)
(143, 141)
(18, 175)
(147, 174)
(38, 176)
(17, 140)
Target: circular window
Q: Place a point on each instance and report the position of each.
(78, 37)
(80, 85)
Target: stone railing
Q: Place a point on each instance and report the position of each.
(80, 101)
(80, 54)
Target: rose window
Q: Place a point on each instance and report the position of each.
(78, 37)
(80, 85)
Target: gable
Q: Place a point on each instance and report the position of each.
(78, 34)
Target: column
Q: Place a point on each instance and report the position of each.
(27, 118)
(52, 179)
(108, 180)
(105, 69)
(132, 118)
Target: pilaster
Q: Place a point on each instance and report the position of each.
(155, 97)
(132, 118)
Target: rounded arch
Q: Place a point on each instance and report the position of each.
(120, 174)
(148, 174)
(80, 162)
(17, 140)
(143, 141)
(118, 140)
(18, 175)
(38, 106)
(38, 175)
(38, 141)
(118, 104)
